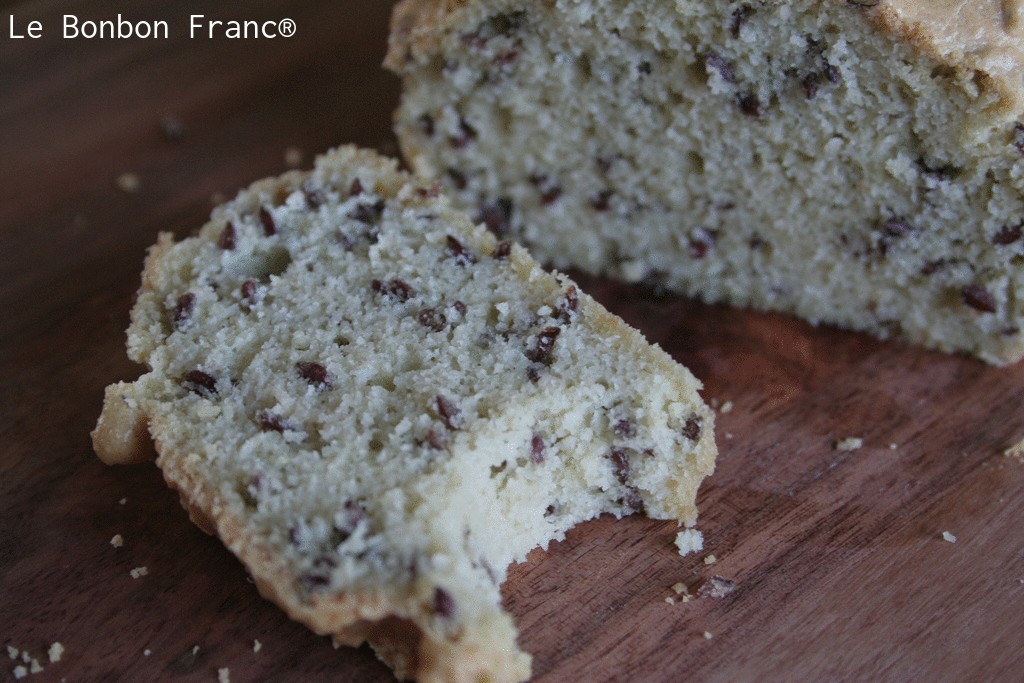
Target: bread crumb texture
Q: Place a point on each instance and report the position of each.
(948, 537)
(55, 652)
(853, 163)
(689, 541)
(378, 406)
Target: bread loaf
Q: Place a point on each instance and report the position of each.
(853, 162)
(378, 406)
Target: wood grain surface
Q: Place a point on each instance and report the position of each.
(840, 569)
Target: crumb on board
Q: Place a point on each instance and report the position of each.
(850, 443)
(293, 157)
(139, 572)
(55, 652)
(679, 587)
(35, 667)
(689, 541)
(948, 537)
(257, 646)
(224, 675)
(716, 587)
(117, 541)
(122, 501)
(710, 559)
(708, 635)
(25, 656)
(20, 672)
(726, 407)
(1016, 451)
(147, 652)
(12, 652)
(728, 435)
(128, 182)
(195, 650)
(670, 600)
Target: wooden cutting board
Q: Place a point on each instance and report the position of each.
(840, 569)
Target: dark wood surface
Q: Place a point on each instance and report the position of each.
(840, 569)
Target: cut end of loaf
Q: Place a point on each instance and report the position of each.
(836, 160)
(378, 406)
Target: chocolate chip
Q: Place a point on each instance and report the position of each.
(549, 191)
(444, 603)
(625, 428)
(978, 298)
(697, 248)
(620, 465)
(227, 238)
(932, 267)
(602, 200)
(1008, 235)
(533, 371)
(368, 213)
(432, 319)
(692, 429)
(750, 105)
(270, 421)
(465, 135)
(183, 309)
(314, 196)
(757, 243)
(249, 291)
(567, 307)
(396, 289)
(426, 124)
(644, 68)
(457, 178)
(460, 307)
(457, 250)
(449, 413)
(739, 17)
(541, 353)
(200, 383)
(810, 86)
(536, 449)
(1018, 137)
(314, 373)
(269, 227)
(713, 60)
(502, 251)
(897, 226)
(497, 216)
(549, 510)
(429, 192)
(355, 189)
(437, 440)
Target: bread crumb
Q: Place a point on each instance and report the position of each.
(20, 672)
(948, 537)
(708, 635)
(224, 675)
(56, 652)
(128, 182)
(716, 587)
(122, 501)
(12, 652)
(147, 652)
(25, 656)
(293, 157)
(850, 443)
(669, 600)
(710, 559)
(726, 407)
(893, 446)
(728, 435)
(138, 572)
(713, 403)
(257, 646)
(35, 667)
(195, 650)
(117, 541)
(689, 541)
(679, 587)
(1016, 451)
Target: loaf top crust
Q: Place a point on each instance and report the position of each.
(985, 36)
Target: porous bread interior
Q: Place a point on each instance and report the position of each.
(363, 502)
(782, 155)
